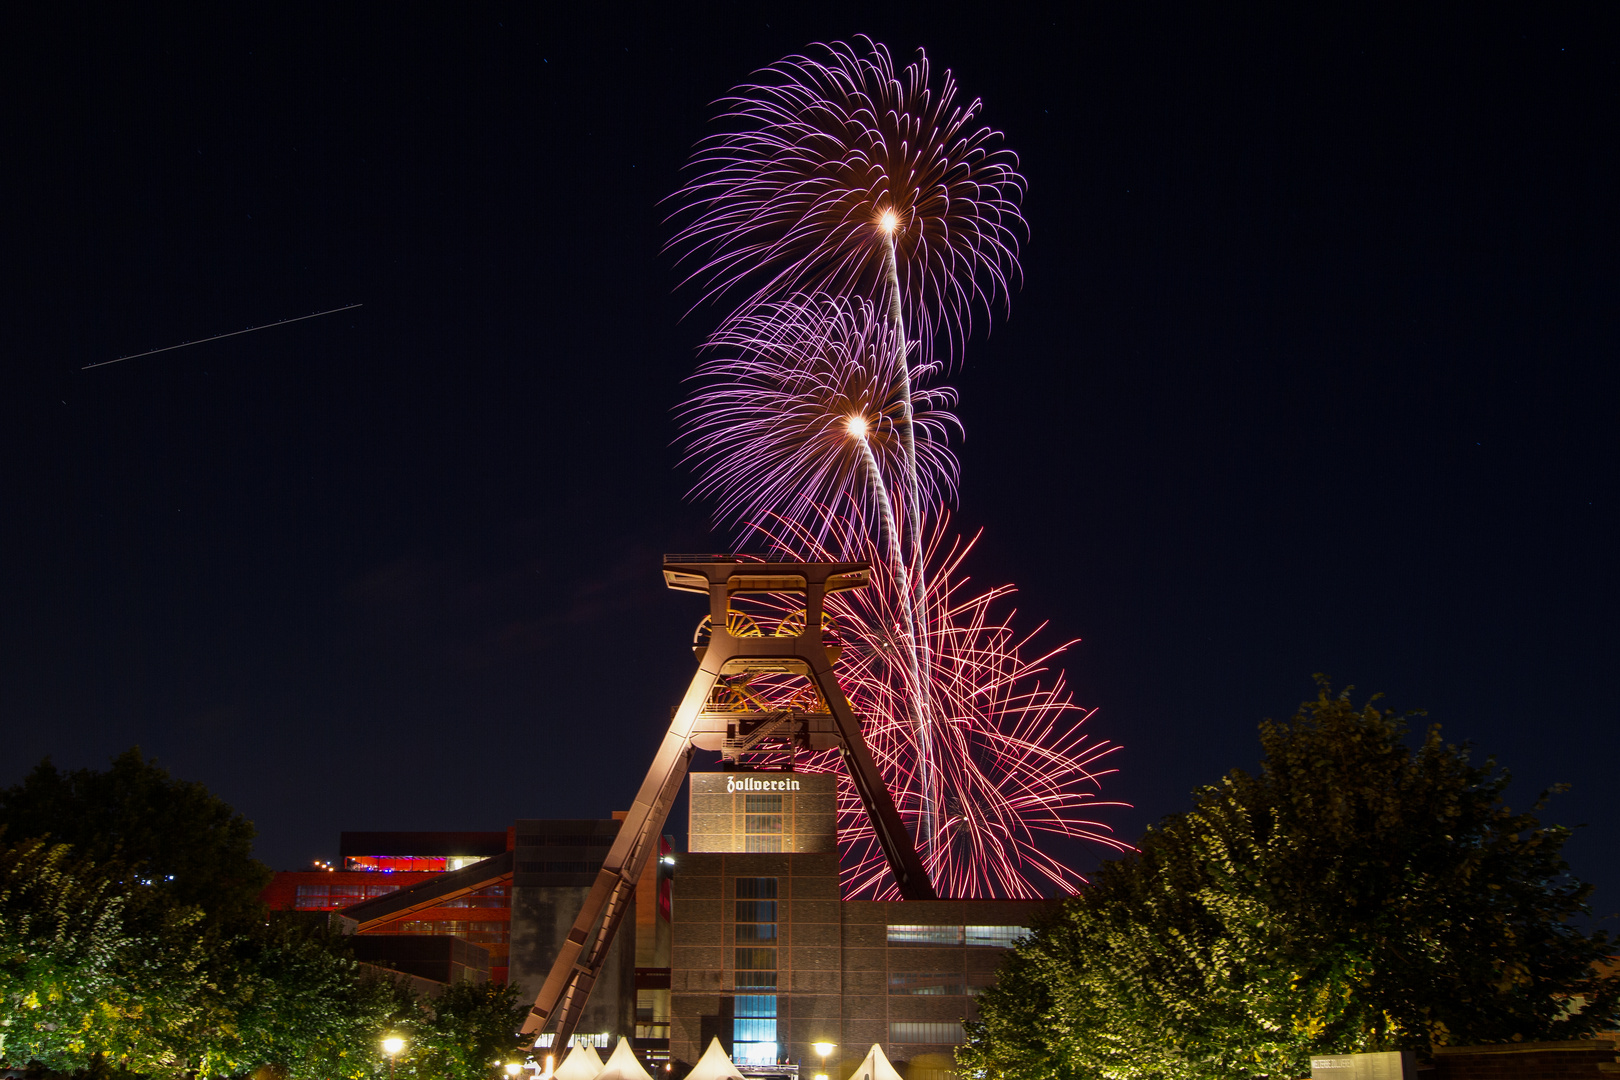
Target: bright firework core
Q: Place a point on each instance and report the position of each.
(888, 222)
(857, 426)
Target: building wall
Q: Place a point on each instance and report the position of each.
(556, 862)
(763, 812)
(853, 973)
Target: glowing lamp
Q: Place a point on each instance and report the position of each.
(393, 1045)
(513, 1068)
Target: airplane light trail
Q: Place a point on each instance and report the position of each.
(216, 337)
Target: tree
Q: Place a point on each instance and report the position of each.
(78, 991)
(139, 947)
(1355, 895)
(459, 1033)
(184, 841)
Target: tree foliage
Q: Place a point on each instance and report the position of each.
(1354, 895)
(124, 962)
(176, 836)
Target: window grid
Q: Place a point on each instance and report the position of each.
(1001, 937)
(928, 983)
(753, 1025)
(926, 1032)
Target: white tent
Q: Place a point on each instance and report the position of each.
(714, 1065)
(622, 1065)
(582, 1064)
(875, 1066)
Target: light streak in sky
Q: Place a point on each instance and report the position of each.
(216, 337)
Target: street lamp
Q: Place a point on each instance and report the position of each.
(513, 1068)
(392, 1046)
(822, 1049)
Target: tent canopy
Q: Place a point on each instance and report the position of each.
(582, 1064)
(875, 1066)
(622, 1065)
(714, 1065)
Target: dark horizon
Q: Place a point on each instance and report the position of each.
(1311, 370)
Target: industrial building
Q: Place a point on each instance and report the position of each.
(745, 937)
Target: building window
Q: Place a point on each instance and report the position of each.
(487, 932)
(494, 896)
(928, 983)
(926, 1032)
(753, 1029)
(754, 960)
(762, 822)
(925, 935)
(325, 897)
(995, 936)
(598, 1040)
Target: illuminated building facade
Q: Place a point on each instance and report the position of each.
(769, 959)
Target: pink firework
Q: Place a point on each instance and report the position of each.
(1014, 769)
(842, 175)
(798, 411)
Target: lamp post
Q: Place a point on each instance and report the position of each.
(392, 1046)
(822, 1049)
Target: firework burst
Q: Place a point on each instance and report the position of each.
(1014, 770)
(797, 415)
(860, 216)
(841, 170)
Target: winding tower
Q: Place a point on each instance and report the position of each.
(761, 687)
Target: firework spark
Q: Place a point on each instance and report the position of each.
(835, 165)
(1014, 767)
(797, 415)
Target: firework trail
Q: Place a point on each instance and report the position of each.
(1014, 767)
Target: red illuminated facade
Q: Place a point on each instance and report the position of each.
(375, 864)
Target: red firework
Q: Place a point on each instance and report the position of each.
(843, 175)
(1014, 769)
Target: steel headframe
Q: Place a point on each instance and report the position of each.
(695, 724)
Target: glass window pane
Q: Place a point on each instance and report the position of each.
(925, 935)
(756, 911)
(756, 888)
(755, 959)
(755, 1005)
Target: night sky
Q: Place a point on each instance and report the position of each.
(1313, 370)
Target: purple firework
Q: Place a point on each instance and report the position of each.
(842, 175)
(798, 413)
